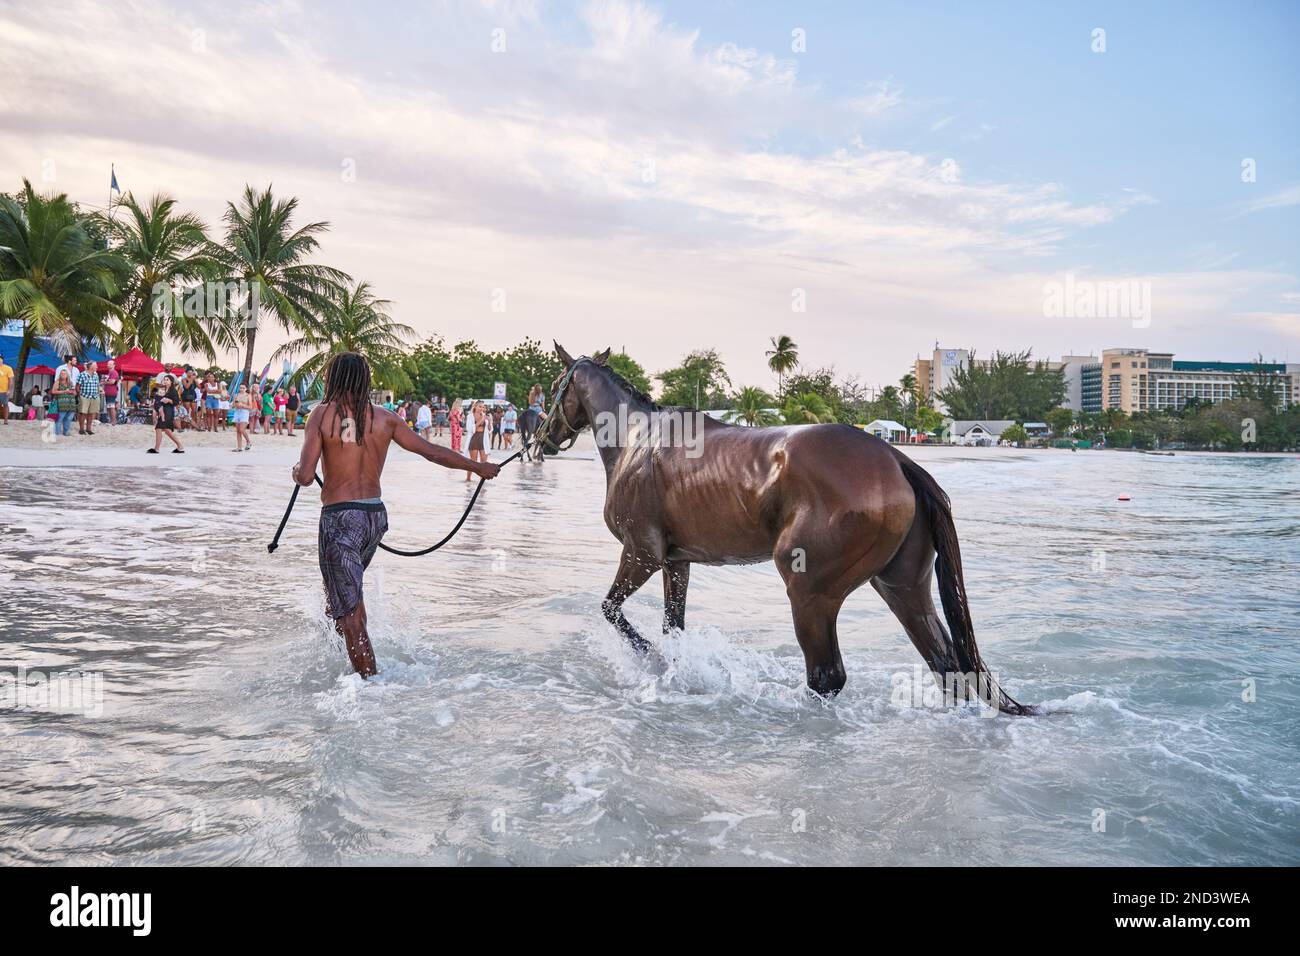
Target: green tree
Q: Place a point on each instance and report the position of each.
(808, 408)
(928, 420)
(263, 249)
(631, 370)
(1060, 421)
(1015, 434)
(699, 382)
(1007, 386)
(357, 322)
(166, 252)
(844, 402)
(751, 405)
(55, 275)
(781, 358)
(911, 401)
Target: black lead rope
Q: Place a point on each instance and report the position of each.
(293, 499)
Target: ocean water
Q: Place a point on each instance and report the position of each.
(509, 725)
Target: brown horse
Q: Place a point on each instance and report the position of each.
(833, 506)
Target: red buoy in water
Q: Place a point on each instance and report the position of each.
(1124, 498)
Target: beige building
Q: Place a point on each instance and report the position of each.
(1138, 380)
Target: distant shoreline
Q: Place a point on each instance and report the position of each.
(123, 446)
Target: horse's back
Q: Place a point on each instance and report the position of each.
(750, 485)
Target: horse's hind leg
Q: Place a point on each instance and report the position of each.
(634, 569)
(677, 575)
(905, 584)
(814, 626)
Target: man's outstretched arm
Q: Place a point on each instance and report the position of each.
(407, 438)
(305, 471)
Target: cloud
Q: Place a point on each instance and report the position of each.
(616, 175)
(1290, 196)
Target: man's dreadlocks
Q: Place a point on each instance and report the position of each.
(347, 386)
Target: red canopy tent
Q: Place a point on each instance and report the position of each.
(135, 364)
(39, 370)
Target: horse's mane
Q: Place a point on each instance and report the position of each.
(632, 390)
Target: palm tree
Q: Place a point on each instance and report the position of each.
(263, 250)
(54, 275)
(806, 409)
(781, 357)
(356, 322)
(168, 250)
(911, 400)
(751, 407)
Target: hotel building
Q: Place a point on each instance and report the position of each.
(1138, 380)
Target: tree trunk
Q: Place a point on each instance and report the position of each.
(250, 339)
(24, 350)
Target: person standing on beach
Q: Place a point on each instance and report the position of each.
(112, 379)
(281, 413)
(166, 399)
(64, 394)
(70, 366)
(453, 416)
(508, 424)
(87, 399)
(479, 426)
(268, 408)
(6, 386)
(292, 408)
(498, 413)
(243, 407)
(352, 435)
(439, 415)
(423, 420)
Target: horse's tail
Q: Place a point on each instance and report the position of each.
(934, 502)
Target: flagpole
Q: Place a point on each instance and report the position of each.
(112, 178)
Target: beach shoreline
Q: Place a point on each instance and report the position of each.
(34, 445)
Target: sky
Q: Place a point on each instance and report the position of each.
(870, 179)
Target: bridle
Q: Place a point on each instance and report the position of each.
(542, 435)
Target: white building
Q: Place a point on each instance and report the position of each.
(975, 432)
(886, 429)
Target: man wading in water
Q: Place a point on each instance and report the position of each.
(353, 436)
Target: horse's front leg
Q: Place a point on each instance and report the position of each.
(634, 569)
(677, 575)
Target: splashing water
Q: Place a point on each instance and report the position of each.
(510, 724)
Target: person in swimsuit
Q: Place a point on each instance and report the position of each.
(477, 450)
(353, 435)
(164, 411)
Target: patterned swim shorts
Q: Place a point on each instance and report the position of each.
(350, 532)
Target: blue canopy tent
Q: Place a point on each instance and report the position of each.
(43, 353)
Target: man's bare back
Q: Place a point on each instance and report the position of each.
(353, 518)
(352, 468)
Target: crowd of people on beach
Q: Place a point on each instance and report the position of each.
(201, 402)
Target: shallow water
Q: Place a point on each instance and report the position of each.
(509, 725)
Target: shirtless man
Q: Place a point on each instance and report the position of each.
(353, 437)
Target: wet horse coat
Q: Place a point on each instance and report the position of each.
(834, 507)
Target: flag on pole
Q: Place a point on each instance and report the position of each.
(113, 182)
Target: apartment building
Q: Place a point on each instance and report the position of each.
(1139, 380)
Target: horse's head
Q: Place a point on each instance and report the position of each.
(566, 417)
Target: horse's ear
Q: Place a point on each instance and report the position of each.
(600, 358)
(565, 357)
